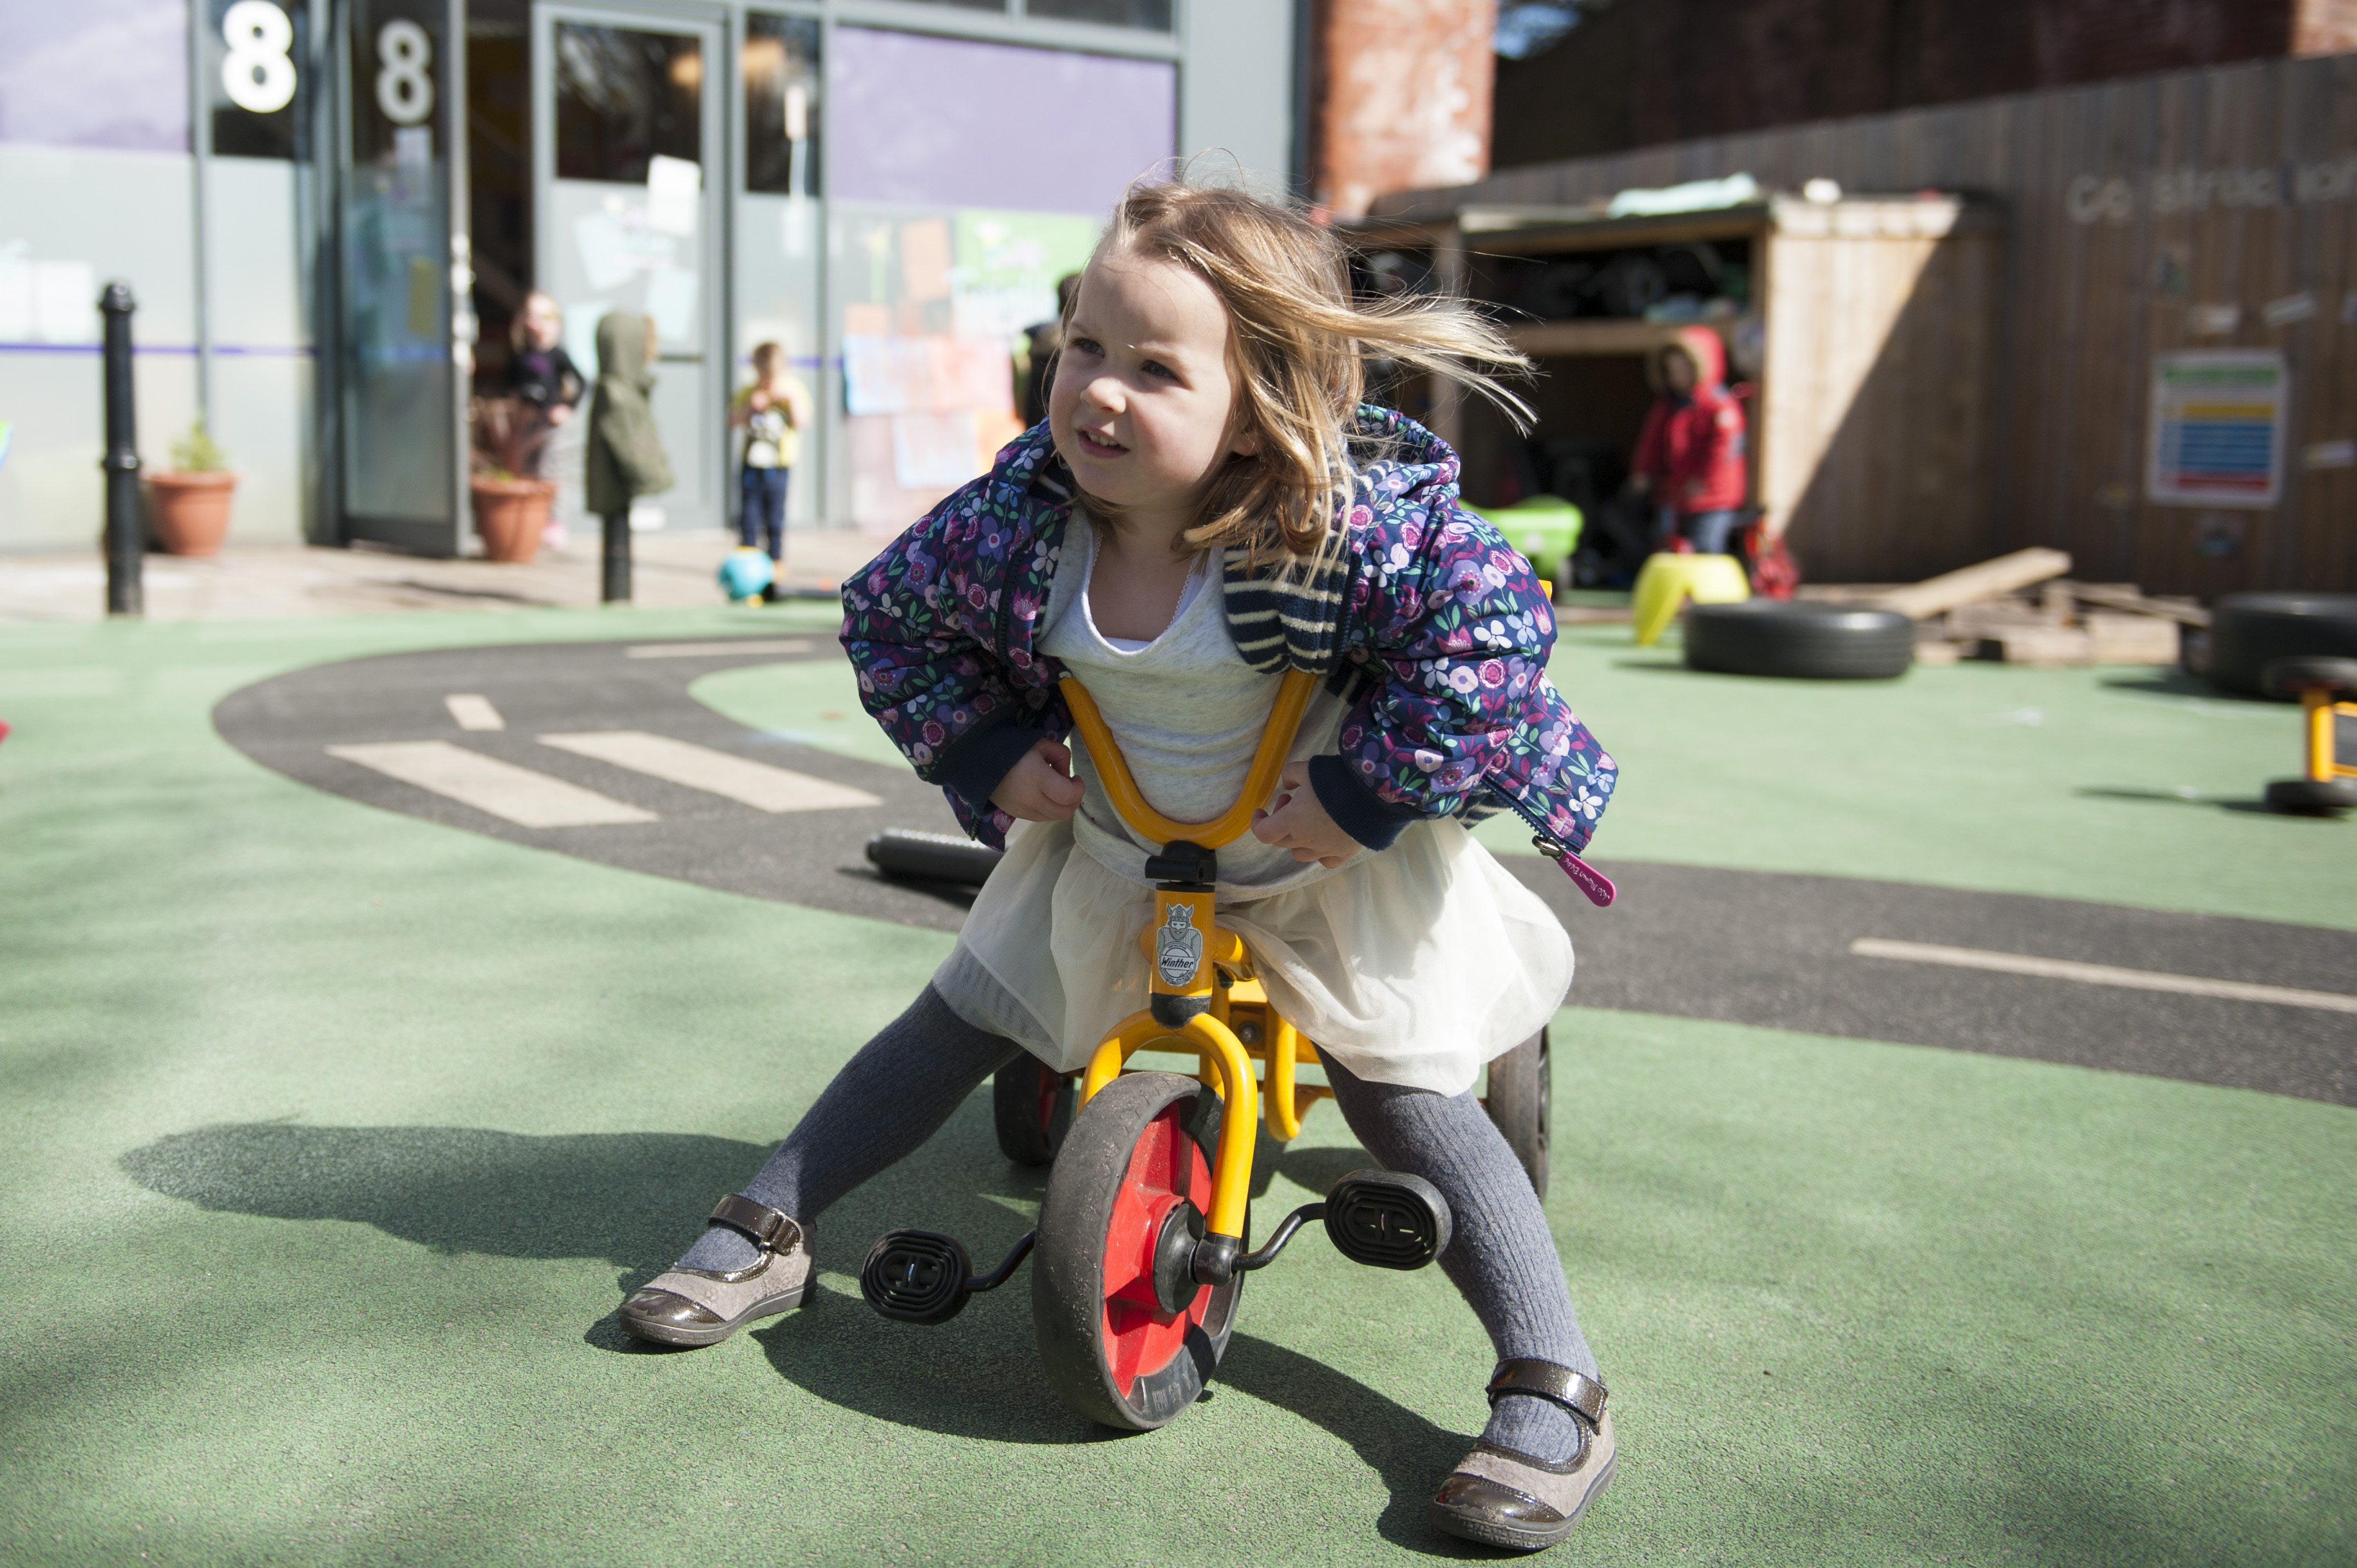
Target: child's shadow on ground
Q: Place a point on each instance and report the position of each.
(632, 1199)
(1410, 1452)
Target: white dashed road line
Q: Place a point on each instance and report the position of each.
(716, 649)
(2101, 974)
(473, 710)
(756, 784)
(518, 795)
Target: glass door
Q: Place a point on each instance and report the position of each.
(405, 330)
(627, 186)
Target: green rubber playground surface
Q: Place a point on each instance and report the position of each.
(335, 1137)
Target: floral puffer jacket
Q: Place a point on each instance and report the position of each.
(1428, 618)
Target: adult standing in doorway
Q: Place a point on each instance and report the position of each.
(626, 457)
(772, 413)
(1690, 454)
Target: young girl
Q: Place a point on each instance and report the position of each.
(772, 413)
(1207, 506)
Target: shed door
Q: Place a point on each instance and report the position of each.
(627, 166)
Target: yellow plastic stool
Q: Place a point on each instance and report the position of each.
(1667, 579)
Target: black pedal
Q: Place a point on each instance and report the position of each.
(915, 1276)
(1387, 1220)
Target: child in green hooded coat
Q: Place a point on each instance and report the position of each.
(626, 457)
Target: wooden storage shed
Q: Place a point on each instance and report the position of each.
(1863, 327)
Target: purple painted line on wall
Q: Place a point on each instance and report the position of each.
(228, 350)
(948, 122)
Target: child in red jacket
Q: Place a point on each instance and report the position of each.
(1690, 454)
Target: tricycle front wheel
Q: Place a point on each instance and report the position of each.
(1141, 1150)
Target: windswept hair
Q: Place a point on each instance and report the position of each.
(1300, 348)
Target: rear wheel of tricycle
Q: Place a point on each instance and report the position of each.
(1136, 1159)
(1520, 1101)
(1032, 1104)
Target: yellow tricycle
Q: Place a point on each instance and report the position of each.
(1143, 1237)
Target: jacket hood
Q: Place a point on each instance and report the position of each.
(1707, 350)
(622, 346)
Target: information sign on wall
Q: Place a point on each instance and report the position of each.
(2218, 427)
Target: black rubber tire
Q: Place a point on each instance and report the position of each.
(2250, 632)
(1031, 1105)
(2312, 797)
(1799, 639)
(1068, 1275)
(932, 857)
(1521, 1101)
(2287, 678)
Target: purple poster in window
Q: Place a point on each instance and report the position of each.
(943, 122)
(96, 74)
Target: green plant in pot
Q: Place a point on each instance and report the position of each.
(510, 506)
(191, 501)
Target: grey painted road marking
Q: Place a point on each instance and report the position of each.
(2101, 974)
(498, 788)
(718, 649)
(473, 710)
(760, 785)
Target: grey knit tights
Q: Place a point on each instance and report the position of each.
(904, 1083)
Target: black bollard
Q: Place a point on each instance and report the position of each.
(616, 528)
(124, 544)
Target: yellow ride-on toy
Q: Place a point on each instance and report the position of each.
(2327, 690)
(1142, 1237)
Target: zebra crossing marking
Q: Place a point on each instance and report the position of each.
(760, 785)
(502, 789)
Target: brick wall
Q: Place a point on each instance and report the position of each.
(1402, 92)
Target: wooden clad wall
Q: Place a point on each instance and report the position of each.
(1873, 424)
(2129, 207)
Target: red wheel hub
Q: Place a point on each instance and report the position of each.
(1166, 1168)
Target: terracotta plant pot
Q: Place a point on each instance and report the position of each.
(191, 511)
(510, 515)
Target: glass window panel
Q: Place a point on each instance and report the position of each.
(1153, 14)
(968, 5)
(959, 123)
(399, 415)
(622, 97)
(783, 92)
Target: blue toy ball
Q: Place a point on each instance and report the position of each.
(744, 574)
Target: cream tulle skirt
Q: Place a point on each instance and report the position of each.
(1414, 966)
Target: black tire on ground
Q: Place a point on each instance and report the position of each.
(2312, 797)
(1799, 639)
(2250, 632)
(2290, 677)
(1110, 1352)
(1032, 1105)
(1521, 1101)
(931, 857)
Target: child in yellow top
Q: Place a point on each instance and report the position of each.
(772, 413)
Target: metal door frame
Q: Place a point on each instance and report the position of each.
(717, 24)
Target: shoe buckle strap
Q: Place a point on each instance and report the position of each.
(1574, 1390)
(765, 1226)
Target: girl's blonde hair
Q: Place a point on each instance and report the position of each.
(1299, 347)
